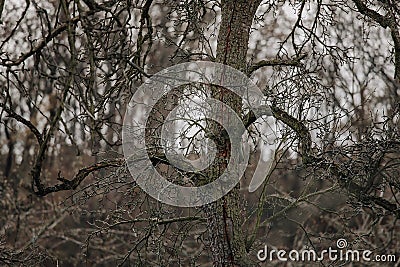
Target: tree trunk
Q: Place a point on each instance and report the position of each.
(225, 216)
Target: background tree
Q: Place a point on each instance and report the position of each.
(329, 69)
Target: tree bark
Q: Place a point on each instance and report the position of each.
(225, 216)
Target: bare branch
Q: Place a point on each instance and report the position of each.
(1, 9)
(41, 44)
(385, 21)
(363, 9)
(79, 177)
(22, 120)
(296, 62)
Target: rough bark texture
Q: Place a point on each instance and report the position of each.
(225, 217)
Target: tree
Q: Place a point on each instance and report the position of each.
(329, 70)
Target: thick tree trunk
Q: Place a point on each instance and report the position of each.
(225, 217)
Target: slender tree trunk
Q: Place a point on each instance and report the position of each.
(225, 217)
